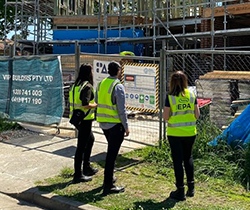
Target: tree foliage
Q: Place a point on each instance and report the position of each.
(10, 18)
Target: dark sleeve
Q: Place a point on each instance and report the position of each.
(167, 103)
(86, 95)
(195, 102)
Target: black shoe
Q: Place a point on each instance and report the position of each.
(89, 171)
(178, 194)
(190, 191)
(112, 189)
(82, 178)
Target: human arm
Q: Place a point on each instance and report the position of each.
(166, 110)
(197, 111)
(86, 96)
(118, 98)
(166, 113)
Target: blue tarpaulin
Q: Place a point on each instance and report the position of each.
(112, 47)
(238, 133)
(36, 90)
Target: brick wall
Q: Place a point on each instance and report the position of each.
(219, 41)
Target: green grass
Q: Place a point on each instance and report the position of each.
(148, 188)
(6, 125)
(221, 178)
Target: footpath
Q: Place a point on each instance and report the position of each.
(31, 156)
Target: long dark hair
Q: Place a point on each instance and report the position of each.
(178, 84)
(85, 74)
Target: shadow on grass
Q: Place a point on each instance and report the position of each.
(53, 187)
(152, 205)
(88, 196)
(94, 195)
(120, 163)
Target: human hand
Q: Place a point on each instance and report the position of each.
(126, 132)
(94, 105)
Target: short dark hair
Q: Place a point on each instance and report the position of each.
(113, 68)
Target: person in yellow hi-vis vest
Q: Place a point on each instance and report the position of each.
(111, 114)
(81, 96)
(181, 112)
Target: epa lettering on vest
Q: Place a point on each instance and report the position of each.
(183, 106)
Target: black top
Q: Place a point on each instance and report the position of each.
(167, 103)
(87, 94)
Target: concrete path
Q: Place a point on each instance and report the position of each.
(9, 203)
(41, 155)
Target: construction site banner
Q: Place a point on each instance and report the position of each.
(36, 90)
(4, 84)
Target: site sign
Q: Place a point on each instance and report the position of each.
(141, 82)
(100, 69)
(35, 90)
(4, 84)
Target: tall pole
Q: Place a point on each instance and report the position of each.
(105, 25)
(5, 27)
(15, 42)
(38, 26)
(212, 32)
(154, 29)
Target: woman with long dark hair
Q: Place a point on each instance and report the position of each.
(181, 112)
(82, 97)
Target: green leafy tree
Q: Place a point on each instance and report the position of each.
(10, 18)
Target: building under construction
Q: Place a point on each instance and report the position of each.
(168, 24)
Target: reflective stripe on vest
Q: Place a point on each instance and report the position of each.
(182, 121)
(106, 110)
(78, 102)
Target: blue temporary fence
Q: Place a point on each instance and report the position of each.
(31, 90)
(238, 133)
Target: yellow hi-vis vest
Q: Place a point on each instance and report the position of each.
(78, 102)
(106, 110)
(182, 121)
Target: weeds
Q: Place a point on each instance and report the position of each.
(7, 125)
(222, 161)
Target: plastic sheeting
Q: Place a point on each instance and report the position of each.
(36, 90)
(4, 84)
(238, 133)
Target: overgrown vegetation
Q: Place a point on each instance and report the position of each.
(221, 175)
(7, 125)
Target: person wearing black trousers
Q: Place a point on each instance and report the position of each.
(181, 112)
(82, 97)
(111, 114)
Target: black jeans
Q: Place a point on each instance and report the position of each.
(114, 136)
(181, 149)
(84, 146)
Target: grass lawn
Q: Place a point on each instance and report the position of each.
(148, 188)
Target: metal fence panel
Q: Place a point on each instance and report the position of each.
(144, 125)
(221, 76)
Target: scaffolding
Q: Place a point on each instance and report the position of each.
(167, 24)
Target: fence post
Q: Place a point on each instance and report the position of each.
(162, 58)
(12, 53)
(77, 58)
(77, 66)
(164, 86)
